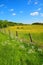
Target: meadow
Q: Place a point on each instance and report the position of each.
(16, 47)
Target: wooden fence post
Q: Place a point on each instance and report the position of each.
(9, 34)
(16, 34)
(30, 37)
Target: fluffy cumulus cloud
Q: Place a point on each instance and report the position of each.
(21, 11)
(14, 14)
(34, 13)
(2, 5)
(39, 9)
(35, 3)
(11, 9)
(30, 1)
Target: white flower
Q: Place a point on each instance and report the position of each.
(31, 51)
(22, 47)
(39, 49)
(32, 47)
(21, 40)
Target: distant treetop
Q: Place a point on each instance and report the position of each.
(6, 23)
(37, 23)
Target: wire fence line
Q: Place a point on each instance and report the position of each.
(16, 36)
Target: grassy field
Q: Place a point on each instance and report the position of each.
(18, 49)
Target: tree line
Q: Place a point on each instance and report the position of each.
(37, 23)
(6, 23)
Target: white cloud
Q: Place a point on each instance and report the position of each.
(39, 9)
(34, 13)
(2, 5)
(36, 3)
(14, 14)
(11, 9)
(21, 11)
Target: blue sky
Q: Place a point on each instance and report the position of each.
(23, 11)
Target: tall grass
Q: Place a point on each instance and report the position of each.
(15, 52)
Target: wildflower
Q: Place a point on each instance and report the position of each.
(21, 40)
(39, 49)
(31, 51)
(32, 47)
(22, 47)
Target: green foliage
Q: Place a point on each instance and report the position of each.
(14, 52)
(38, 38)
(37, 23)
(5, 23)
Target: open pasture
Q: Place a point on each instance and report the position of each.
(16, 47)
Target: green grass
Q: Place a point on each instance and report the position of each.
(15, 52)
(38, 38)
